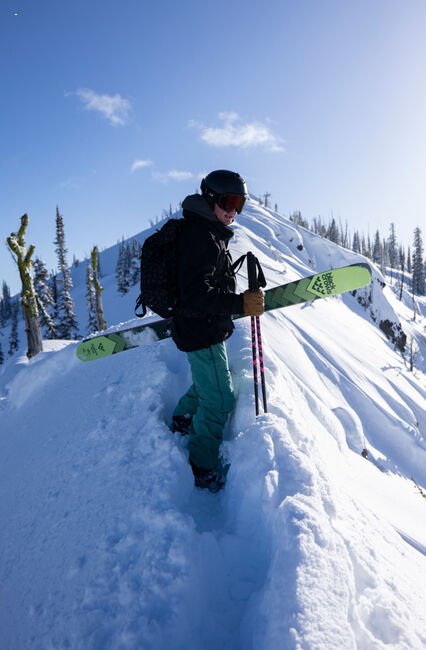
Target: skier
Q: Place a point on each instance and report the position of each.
(202, 320)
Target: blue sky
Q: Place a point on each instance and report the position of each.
(112, 110)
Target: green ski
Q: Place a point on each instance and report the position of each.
(321, 285)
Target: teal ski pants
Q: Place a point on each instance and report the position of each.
(209, 400)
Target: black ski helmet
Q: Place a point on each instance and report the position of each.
(220, 183)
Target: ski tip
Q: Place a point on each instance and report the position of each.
(95, 349)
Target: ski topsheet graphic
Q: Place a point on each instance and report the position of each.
(320, 285)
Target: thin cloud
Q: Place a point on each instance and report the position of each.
(70, 184)
(235, 133)
(173, 175)
(138, 164)
(114, 108)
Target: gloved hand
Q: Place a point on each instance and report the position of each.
(254, 304)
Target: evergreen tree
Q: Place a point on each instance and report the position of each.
(1, 355)
(344, 235)
(333, 232)
(368, 250)
(299, 220)
(356, 244)
(122, 269)
(409, 265)
(135, 265)
(14, 341)
(402, 267)
(67, 323)
(377, 249)
(91, 299)
(392, 250)
(54, 291)
(127, 266)
(418, 263)
(319, 227)
(385, 256)
(2, 315)
(7, 306)
(44, 298)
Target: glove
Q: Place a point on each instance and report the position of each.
(254, 304)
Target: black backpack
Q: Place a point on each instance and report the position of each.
(159, 288)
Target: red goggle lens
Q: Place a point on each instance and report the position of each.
(229, 202)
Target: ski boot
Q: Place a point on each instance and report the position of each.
(181, 424)
(212, 480)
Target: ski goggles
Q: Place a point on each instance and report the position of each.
(230, 202)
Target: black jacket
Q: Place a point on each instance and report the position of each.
(207, 284)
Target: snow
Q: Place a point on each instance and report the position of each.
(105, 542)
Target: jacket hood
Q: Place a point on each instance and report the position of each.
(196, 205)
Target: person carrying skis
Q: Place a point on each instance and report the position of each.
(202, 319)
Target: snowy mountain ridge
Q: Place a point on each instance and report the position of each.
(106, 543)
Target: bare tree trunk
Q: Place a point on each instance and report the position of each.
(35, 343)
(16, 244)
(98, 291)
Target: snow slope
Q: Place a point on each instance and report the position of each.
(105, 542)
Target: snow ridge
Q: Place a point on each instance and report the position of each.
(106, 544)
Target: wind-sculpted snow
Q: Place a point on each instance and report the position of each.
(107, 545)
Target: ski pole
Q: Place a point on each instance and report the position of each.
(262, 370)
(256, 278)
(253, 349)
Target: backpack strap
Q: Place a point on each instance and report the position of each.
(139, 303)
(260, 275)
(238, 264)
(256, 277)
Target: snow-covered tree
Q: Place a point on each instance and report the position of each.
(402, 267)
(366, 247)
(377, 249)
(54, 292)
(418, 263)
(333, 232)
(2, 315)
(135, 265)
(67, 320)
(344, 235)
(44, 298)
(122, 269)
(119, 269)
(356, 243)
(392, 249)
(6, 304)
(409, 265)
